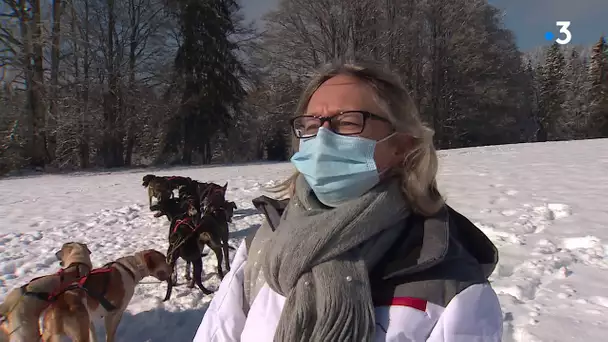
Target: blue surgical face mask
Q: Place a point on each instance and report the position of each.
(337, 167)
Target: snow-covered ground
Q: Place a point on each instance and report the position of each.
(543, 205)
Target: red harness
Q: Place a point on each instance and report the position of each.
(185, 221)
(80, 283)
(48, 296)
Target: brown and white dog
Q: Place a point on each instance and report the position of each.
(158, 187)
(23, 306)
(105, 292)
(162, 188)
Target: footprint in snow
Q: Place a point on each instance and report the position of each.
(545, 246)
(599, 300)
(559, 210)
(509, 212)
(585, 242)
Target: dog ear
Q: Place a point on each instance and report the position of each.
(86, 248)
(225, 186)
(234, 205)
(149, 259)
(59, 254)
(64, 248)
(153, 259)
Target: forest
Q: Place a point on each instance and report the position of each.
(106, 84)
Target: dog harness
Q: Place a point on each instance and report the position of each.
(46, 296)
(188, 220)
(83, 284)
(185, 221)
(40, 295)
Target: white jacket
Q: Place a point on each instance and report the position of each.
(473, 315)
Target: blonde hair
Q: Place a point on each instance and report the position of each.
(419, 169)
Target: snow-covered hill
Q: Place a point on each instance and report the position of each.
(544, 205)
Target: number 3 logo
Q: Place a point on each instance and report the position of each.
(563, 25)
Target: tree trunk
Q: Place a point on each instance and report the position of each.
(54, 98)
(84, 146)
(131, 113)
(112, 141)
(189, 136)
(34, 73)
(541, 133)
(208, 152)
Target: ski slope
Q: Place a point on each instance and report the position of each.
(544, 205)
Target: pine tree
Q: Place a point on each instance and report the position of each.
(208, 75)
(572, 125)
(552, 94)
(598, 95)
(530, 101)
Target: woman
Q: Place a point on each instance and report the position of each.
(365, 249)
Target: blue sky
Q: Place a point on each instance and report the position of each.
(528, 19)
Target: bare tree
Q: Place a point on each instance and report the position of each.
(119, 83)
(54, 89)
(22, 49)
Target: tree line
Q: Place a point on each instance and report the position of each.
(106, 83)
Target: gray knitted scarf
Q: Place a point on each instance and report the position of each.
(319, 260)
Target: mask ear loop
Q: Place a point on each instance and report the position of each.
(387, 137)
(390, 169)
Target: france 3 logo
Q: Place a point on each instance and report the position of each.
(563, 30)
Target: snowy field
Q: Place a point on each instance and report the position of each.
(543, 205)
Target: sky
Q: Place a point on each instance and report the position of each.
(531, 19)
(528, 19)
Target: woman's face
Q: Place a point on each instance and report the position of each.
(343, 93)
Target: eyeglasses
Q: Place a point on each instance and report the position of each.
(345, 123)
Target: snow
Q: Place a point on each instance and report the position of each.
(544, 205)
